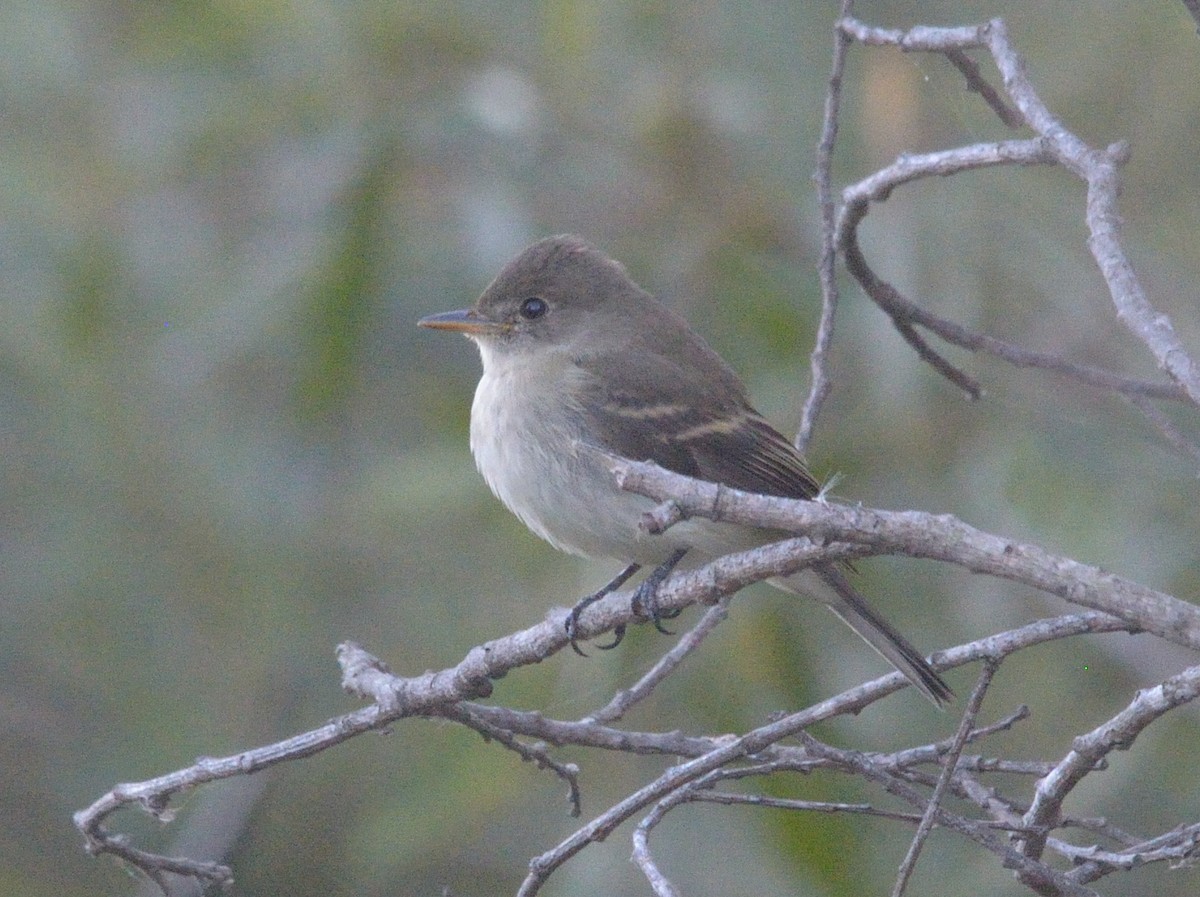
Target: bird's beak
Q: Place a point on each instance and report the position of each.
(465, 320)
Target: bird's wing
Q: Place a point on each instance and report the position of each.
(694, 420)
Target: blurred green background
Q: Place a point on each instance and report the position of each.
(226, 447)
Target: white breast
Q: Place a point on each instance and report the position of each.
(528, 441)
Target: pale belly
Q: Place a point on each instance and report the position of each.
(567, 496)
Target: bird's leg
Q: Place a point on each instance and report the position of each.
(572, 622)
(645, 599)
(644, 603)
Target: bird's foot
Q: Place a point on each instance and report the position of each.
(645, 599)
(572, 621)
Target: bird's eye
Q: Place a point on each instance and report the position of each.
(533, 308)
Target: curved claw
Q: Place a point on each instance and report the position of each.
(657, 621)
(618, 637)
(645, 604)
(645, 598)
(571, 625)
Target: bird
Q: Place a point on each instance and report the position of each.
(576, 356)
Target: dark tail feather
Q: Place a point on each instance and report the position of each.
(877, 632)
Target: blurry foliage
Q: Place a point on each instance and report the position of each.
(226, 447)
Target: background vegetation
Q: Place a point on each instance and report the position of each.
(226, 447)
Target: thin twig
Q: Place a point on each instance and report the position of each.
(1178, 847)
(827, 269)
(1087, 750)
(858, 198)
(426, 695)
(688, 643)
(659, 883)
(1097, 168)
(980, 764)
(1036, 873)
(1101, 826)
(531, 753)
(808, 806)
(1193, 7)
(980, 85)
(905, 313)
(755, 742)
(541, 867)
(935, 753)
(535, 725)
(1166, 427)
(965, 727)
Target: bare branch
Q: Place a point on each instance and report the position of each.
(1193, 7)
(531, 753)
(1178, 847)
(659, 883)
(807, 806)
(965, 727)
(905, 313)
(977, 83)
(1116, 734)
(1037, 874)
(668, 663)
(1098, 168)
(850, 702)
(941, 537)
(1165, 426)
(921, 37)
(876, 188)
(1019, 830)
(674, 778)
(397, 697)
(755, 742)
(935, 753)
(827, 268)
(154, 795)
(430, 693)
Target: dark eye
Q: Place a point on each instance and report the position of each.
(533, 308)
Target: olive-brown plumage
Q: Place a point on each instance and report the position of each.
(576, 355)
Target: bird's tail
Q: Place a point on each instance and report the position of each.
(835, 592)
